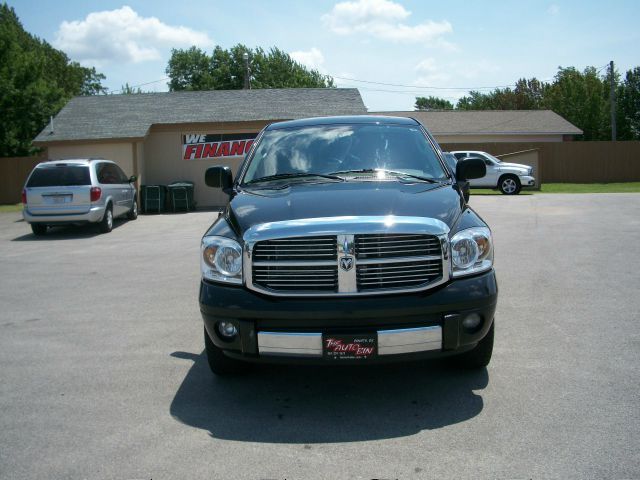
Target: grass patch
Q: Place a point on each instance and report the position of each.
(626, 187)
(11, 208)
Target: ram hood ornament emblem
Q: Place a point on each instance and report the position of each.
(346, 263)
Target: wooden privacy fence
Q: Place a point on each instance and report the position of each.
(13, 173)
(572, 162)
(561, 162)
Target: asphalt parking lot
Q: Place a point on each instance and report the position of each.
(103, 373)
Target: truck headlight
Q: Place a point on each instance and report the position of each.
(221, 260)
(471, 251)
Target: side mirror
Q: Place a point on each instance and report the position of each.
(133, 179)
(469, 168)
(219, 177)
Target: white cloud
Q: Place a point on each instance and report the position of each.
(452, 79)
(123, 36)
(553, 9)
(383, 19)
(432, 73)
(311, 58)
(427, 65)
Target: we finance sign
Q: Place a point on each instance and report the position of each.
(198, 146)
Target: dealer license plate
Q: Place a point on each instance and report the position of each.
(349, 347)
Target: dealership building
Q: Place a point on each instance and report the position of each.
(175, 136)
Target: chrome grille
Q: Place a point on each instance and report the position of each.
(299, 248)
(322, 278)
(373, 276)
(346, 256)
(389, 246)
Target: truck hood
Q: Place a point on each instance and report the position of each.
(359, 198)
(516, 166)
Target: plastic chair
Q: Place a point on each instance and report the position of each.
(180, 198)
(152, 198)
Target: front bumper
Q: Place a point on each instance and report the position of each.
(408, 326)
(93, 215)
(527, 181)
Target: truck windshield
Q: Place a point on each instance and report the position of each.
(344, 149)
(58, 175)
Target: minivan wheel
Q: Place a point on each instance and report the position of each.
(133, 213)
(480, 356)
(219, 363)
(106, 224)
(38, 229)
(509, 185)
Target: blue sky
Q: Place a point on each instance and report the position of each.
(446, 46)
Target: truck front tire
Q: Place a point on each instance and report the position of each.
(480, 356)
(509, 185)
(219, 363)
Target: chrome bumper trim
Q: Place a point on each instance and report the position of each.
(390, 342)
(94, 214)
(408, 340)
(290, 344)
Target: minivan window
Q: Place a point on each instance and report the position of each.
(60, 176)
(324, 149)
(108, 174)
(122, 175)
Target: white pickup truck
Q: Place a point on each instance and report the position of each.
(509, 178)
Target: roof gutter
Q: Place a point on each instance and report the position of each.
(54, 143)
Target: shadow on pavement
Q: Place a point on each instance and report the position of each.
(66, 232)
(286, 404)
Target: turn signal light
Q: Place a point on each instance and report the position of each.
(96, 193)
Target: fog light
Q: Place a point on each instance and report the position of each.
(227, 329)
(471, 321)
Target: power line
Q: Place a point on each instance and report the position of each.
(421, 86)
(399, 92)
(369, 89)
(141, 85)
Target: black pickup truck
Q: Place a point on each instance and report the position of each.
(347, 240)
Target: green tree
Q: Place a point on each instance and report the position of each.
(189, 70)
(129, 90)
(474, 101)
(582, 98)
(194, 69)
(36, 81)
(528, 94)
(628, 106)
(432, 103)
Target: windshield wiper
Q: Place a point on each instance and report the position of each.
(280, 176)
(391, 172)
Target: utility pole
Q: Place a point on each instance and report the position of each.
(612, 99)
(247, 73)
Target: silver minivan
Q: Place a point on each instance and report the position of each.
(69, 192)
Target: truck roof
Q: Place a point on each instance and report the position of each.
(342, 120)
(72, 161)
